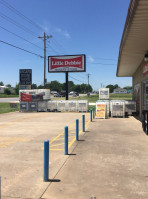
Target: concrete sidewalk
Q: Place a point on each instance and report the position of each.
(109, 162)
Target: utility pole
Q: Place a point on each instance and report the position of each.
(88, 75)
(88, 79)
(45, 37)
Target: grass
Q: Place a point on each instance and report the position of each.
(94, 98)
(2, 95)
(121, 96)
(5, 108)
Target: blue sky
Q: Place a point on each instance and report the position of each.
(91, 27)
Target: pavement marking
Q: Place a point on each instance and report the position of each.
(7, 141)
(56, 149)
(80, 132)
(64, 138)
(58, 137)
(6, 124)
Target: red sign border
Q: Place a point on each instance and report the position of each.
(84, 70)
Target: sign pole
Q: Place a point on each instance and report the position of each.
(66, 85)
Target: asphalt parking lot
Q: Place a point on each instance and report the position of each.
(109, 161)
(21, 150)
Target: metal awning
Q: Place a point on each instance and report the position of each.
(134, 43)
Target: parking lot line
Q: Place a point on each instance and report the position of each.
(59, 137)
(7, 141)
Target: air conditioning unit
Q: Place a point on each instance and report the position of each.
(117, 108)
(73, 106)
(52, 106)
(83, 105)
(32, 106)
(24, 106)
(42, 106)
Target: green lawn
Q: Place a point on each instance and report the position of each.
(2, 95)
(94, 98)
(121, 96)
(5, 108)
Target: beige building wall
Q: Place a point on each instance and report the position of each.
(138, 93)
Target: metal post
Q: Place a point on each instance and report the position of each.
(93, 112)
(77, 129)
(66, 140)
(83, 123)
(44, 59)
(45, 37)
(147, 123)
(0, 187)
(91, 115)
(46, 160)
(66, 85)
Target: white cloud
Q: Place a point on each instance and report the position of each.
(58, 30)
(66, 34)
(90, 59)
(63, 32)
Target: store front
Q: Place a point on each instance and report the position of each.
(133, 53)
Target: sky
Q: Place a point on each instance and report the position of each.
(90, 27)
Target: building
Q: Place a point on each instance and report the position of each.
(133, 52)
(120, 91)
(2, 88)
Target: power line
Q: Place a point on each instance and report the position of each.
(52, 48)
(76, 79)
(80, 76)
(56, 44)
(102, 58)
(45, 37)
(20, 37)
(21, 48)
(10, 7)
(100, 63)
(17, 24)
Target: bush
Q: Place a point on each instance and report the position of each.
(7, 91)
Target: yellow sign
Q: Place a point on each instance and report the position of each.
(100, 110)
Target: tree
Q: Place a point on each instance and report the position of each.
(84, 88)
(89, 88)
(40, 87)
(7, 91)
(70, 86)
(112, 87)
(1, 84)
(8, 85)
(128, 87)
(116, 86)
(54, 86)
(77, 88)
(16, 89)
(33, 86)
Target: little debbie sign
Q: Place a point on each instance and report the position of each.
(66, 63)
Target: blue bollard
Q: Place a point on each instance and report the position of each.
(93, 112)
(66, 140)
(77, 129)
(46, 160)
(83, 123)
(91, 115)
